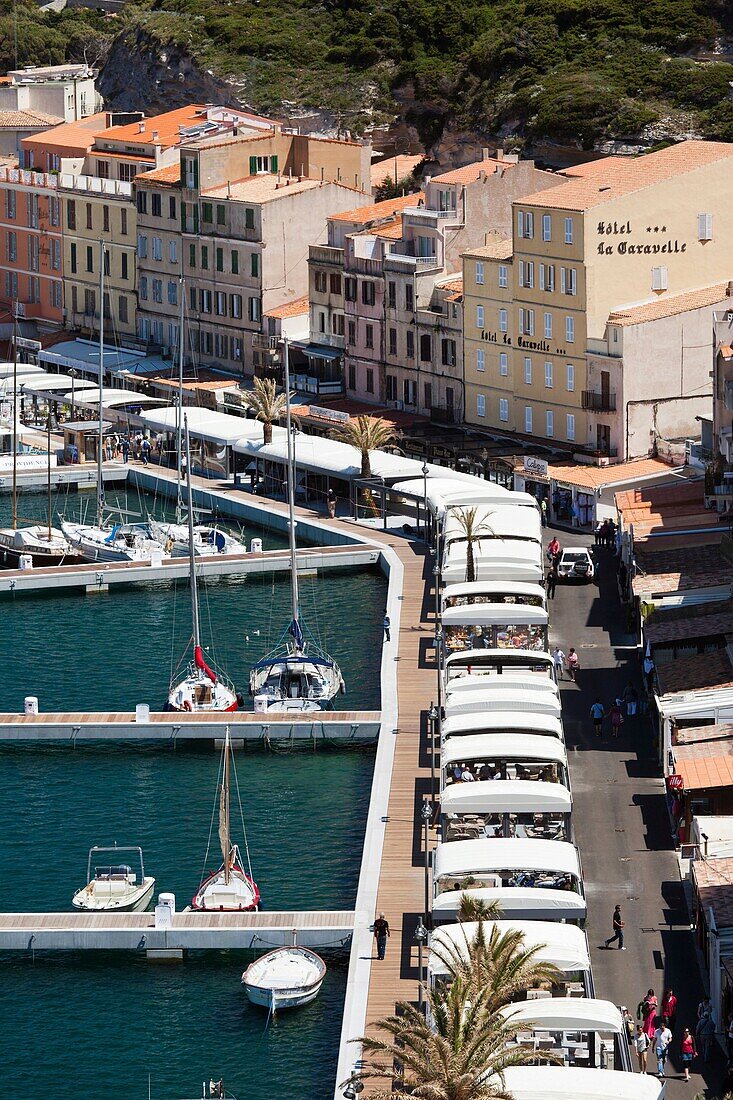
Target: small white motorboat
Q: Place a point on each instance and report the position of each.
(287, 977)
(114, 887)
(208, 541)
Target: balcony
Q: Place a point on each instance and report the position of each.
(598, 402)
(94, 185)
(266, 343)
(29, 177)
(324, 254)
(402, 255)
(423, 215)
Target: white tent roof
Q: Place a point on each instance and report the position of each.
(217, 427)
(517, 902)
(480, 614)
(40, 384)
(6, 369)
(501, 697)
(508, 569)
(487, 589)
(563, 945)
(490, 551)
(502, 522)
(506, 658)
(114, 398)
(498, 746)
(567, 1014)
(444, 483)
(561, 1082)
(496, 494)
(457, 858)
(507, 722)
(713, 834)
(506, 796)
(511, 681)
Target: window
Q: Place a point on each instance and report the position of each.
(392, 295)
(526, 273)
(143, 283)
(546, 227)
(520, 223)
(503, 364)
(526, 322)
(528, 418)
(548, 374)
(479, 273)
(503, 409)
(249, 218)
(11, 287)
(570, 428)
(704, 227)
(55, 255)
(528, 371)
(207, 212)
(156, 205)
(570, 377)
(393, 341)
(221, 214)
(334, 282)
(105, 219)
(568, 231)
(128, 172)
(503, 320)
(567, 280)
(158, 291)
(428, 395)
(320, 282)
(70, 212)
(409, 392)
(254, 268)
(142, 202)
(337, 324)
(219, 256)
(235, 305)
(367, 293)
(479, 317)
(173, 251)
(192, 297)
(106, 261)
(659, 278)
(90, 258)
(548, 326)
(351, 337)
(235, 261)
(390, 383)
(172, 208)
(352, 376)
(90, 302)
(255, 309)
(33, 253)
(205, 299)
(142, 246)
(72, 256)
(480, 359)
(192, 255)
(172, 292)
(349, 288)
(448, 350)
(369, 380)
(503, 275)
(123, 222)
(549, 423)
(220, 304)
(321, 321)
(56, 295)
(426, 348)
(549, 281)
(410, 335)
(480, 405)
(11, 247)
(369, 336)
(205, 257)
(570, 329)
(10, 206)
(55, 210)
(157, 248)
(409, 297)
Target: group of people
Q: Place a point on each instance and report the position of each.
(140, 446)
(657, 1026)
(563, 662)
(620, 709)
(605, 534)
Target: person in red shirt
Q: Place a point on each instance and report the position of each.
(669, 1008)
(687, 1050)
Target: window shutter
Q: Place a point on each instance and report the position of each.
(195, 218)
(253, 166)
(183, 217)
(521, 273)
(542, 276)
(195, 172)
(273, 164)
(563, 284)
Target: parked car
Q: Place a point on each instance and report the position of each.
(575, 564)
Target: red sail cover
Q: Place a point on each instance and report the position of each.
(198, 657)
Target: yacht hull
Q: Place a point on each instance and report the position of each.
(136, 904)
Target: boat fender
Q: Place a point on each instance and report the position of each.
(240, 700)
(187, 704)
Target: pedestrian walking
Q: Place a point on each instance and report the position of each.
(687, 1051)
(386, 625)
(631, 700)
(649, 674)
(641, 1045)
(126, 449)
(558, 660)
(331, 502)
(646, 1011)
(381, 935)
(597, 713)
(669, 1008)
(543, 512)
(706, 1035)
(598, 533)
(662, 1039)
(553, 549)
(618, 929)
(145, 451)
(551, 582)
(616, 717)
(573, 663)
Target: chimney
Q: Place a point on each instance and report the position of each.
(156, 135)
(141, 127)
(729, 290)
(499, 153)
(484, 154)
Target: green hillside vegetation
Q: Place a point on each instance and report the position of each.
(51, 38)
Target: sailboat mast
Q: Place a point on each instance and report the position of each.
(291, 488)
(15, 415)
(179, 406)
(227, 831)
(48, 474)
(191, 546)
(100, 479)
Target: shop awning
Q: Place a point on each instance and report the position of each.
(318, 351)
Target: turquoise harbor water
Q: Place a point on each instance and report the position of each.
(97, 1025)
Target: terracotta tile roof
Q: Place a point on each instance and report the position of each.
(290, 309)
(359, 408)
(499, 249)
(669, 307)
(624, 175)
(455, 283)
(364, 215)
(664, 510)
(73, 135)
(167, 126)
(264, 188)
(169, 173)
(597, 477)
(193, 384)
(705, 764)
(589, 167)
(694, 735)
(713, 880)
(390, 230)
(12, 120)
(471, 172)
(684, 623)
(698, 673)
(394, 168)
(681, 569)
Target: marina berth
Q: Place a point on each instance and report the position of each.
(508, 723)
(497, 662)
(471, 626)
(515, 903)
(495, 559)
(505, 755)
(563, 945)
(493, 592)
(509, 808)
(494, 696)
(508, 861)
(561, 1082)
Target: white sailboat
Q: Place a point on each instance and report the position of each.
(231, 888)
(114, 887)
(201, 688)
(287, 977)
(297, 675)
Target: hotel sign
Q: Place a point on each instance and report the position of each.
(534, 465)
(658, 243)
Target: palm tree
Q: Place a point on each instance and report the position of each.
(476, 909)
(473, 529)
(267, 404)
(367, 434)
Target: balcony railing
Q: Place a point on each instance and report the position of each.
(95, 185)
(265, 343)
(599, 402)
(426, 212)
(29, 177)
(324, 254)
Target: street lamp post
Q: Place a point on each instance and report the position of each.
(73, 375)
(438, 656)
(421, 938)
(353, 1087)
(426, 813)
(432, 726)
(425, 472)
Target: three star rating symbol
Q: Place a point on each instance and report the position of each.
(656, 229)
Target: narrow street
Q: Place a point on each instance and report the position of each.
(621, 822)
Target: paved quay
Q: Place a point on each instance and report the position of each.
(621, 822)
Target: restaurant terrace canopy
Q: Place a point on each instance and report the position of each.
(563, 1082)
(506, 796)
(563, 945)
(461, 858)
(499, 522)
(497, 746)
(516, 903)
(566, 1014)
(506, 722)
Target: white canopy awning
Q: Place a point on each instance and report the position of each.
(566, 1014)
(500, 522)
(491, 551)
(516, 903)
(41, 384)
(562, 1082)
(509, 681)
(113, 398)
(458, 858)
(486, 589)
(502, 698)
(508, 569)
(563, 945)
(506, 722)
(507, 659)
(498, 746)
(487, 614)
(443, 483)
(506, 796)
(208, 424)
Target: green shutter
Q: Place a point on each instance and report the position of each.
(195, 217)
(255, 265)
(253, 166)
(183, 217)
(235, 262)
(273, 164)
(195, 172)
(220, 259)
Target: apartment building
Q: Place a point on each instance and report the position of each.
(553, 346)
(719, 479)
(66, 92)
(249, 207)
(396, 273)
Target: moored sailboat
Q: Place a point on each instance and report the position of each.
(231, 888)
